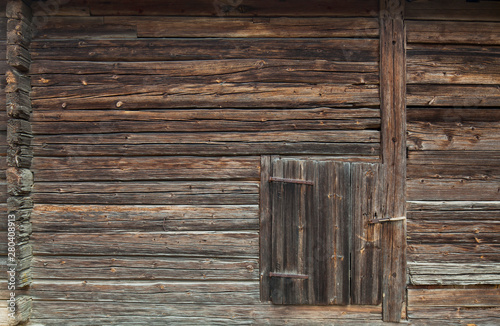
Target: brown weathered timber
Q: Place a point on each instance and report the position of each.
(487, 296)
(19, 133)
(17, 9)
(207, 244)
(440, 32)
(145, 268)
(227, 8)
(453, 253)
(393, 150)
(453, 10)
(19, 181)
(208, 96)
(148, 193)
(18, 57)
(19, 32)
(453, 189)
(453, 95)
(445, 206)
(444, 273)
(17, 81)
(367, 196)
(265, 228)
(145, 168)
(72, 8)
(206, 314)
(96, 218)
(359, 50)
(214, 66)
(223, 149)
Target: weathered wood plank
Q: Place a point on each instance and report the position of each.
(211, 67)
(453, 253)
(453, 95)
(451, 316)
(453, 32)
(473, 297)
(145, 168)
(446, 206)
(144, 292)
(458, 116)
(452, 189)
(393, 152)
(226, 8)
(144, 268)
(250, 27)
(224, 149)
(366, 278)
(206, 244)
(59, 8)
(453, 10)
(148, 193)
(83, 28)
(443, 273)
(92, 218)
(227, 95)
(265, 228)
(243, 314)
(486, 158)
(360, 50)
(452, 64)
(453, 171)
(449, 237)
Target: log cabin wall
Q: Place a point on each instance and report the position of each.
(149, 124)
(453, 172)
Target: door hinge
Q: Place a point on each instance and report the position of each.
(387, 219)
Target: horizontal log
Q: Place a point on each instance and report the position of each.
(360, 50)
(19, 181)
(469, 230)
(474, 297)
(450, 136)
(458, 116)
(469, 237)
(453, 95)
(452, 10)
(19, 32)
(145, 168)
(234, 314)
(205, 244)
(19, 57)
(453, 274)
(18, 10)
(451, 316)
(17, 81)
(459, 213)
(452, 32)
(452, 189)
(73, 8)
(453, 253)
(225, 8)
(194, 68)
(296, 129)
(227, 95)
(446, 206)
(453, 171)
(484, 158)
(84, 28)
(147, 193)
(452, 64)
(223, 149)
(92, 218)
(144, 292)
(144, 268)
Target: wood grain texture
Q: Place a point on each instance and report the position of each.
(357, 50)
(453, 189)
(205, 244)
(393, 150)
(453, 10)
(461, 96)
(443, 273)
(145, 268)
(124, 218)
(453, 32)
(148, 193)
(238, 8)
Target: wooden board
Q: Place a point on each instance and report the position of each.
(453, 10)
(95, 218)
(144, 268)
(444, 273)
(453, 95)
(148, 193)
(204, 244)
(452, 189)
(235, 8)
(145, 168)
(358, 50)
(453, 32)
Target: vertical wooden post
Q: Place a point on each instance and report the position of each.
(393, 143)
(265, 227)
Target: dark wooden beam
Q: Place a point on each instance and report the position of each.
(393, 148)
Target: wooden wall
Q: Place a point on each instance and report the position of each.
(148, 135)
(453, 173)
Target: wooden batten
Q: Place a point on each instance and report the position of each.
(393, 151)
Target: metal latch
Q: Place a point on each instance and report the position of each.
(302, 276)
(304, 182)
(387, 219)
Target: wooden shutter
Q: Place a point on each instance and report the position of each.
(313, 237)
